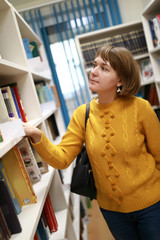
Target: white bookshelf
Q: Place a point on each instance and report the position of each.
(104, 33)
(15, 67)
(151, 10)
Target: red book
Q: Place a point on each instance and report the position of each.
(36, 237)
(50, 215)
(20, 105)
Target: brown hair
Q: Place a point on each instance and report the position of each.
(122, 61)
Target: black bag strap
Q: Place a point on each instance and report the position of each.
(87, 114)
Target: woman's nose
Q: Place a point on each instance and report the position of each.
(94, 70)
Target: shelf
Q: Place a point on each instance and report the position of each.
(61, 217)
(48, 109)
(8, 68)
(34, 210)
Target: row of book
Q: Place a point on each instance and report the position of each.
(20, 168)
(149, 92)
(11, 104)
(44, 91)
(134, 41)
(155, 30)
(48, 223)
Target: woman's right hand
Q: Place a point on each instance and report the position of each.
(33, 132)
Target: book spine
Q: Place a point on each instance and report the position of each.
(29, 160)
(50, 215)
(7, 102)
(20, 105)
(27, 48)
(13, 196)
(8, 89)
(4, 226)
(3, 109)
(15, 102)
(25, 175)
(8, 209)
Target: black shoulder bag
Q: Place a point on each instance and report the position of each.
(82, 181)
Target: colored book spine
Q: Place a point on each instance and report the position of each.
(8, 209)
(19, 177)
(7, 102)
(7, 88)
(15, 102)
(50, 215)
(20, 105)
(27, 48)
(29, 160)
(14, 199)
(3, 109)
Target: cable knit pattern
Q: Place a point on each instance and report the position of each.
(122, 140)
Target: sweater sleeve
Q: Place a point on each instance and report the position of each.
(152, 132)
(60, 156)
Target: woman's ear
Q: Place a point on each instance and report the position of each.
(119, 83)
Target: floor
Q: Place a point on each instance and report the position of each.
(97, 227)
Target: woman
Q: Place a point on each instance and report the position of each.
(122, 140)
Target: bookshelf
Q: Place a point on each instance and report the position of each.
(119, 35)
(150, 12)
(15, 67)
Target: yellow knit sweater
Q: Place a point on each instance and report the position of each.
(123, 143)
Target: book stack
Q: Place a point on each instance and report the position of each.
(154, 24)
(133, 40)
(44, 91)
(48, 223)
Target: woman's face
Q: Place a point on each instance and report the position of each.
(103, 78)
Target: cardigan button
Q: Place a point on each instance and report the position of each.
(117, 174)
(108, 174)
(106, 111)
(101, 115)
(113, 153)
(110, 165)
(103, 154)
(107, 146)
(114, 187)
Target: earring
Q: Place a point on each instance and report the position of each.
(118, 89)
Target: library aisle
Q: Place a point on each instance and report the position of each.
(97, 228)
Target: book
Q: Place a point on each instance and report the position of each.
(13, 196)
(7, 102)
(27, 48)
(16, 104)
(17, 173)
(50, 215)
(4, 231)
(43, 166)
(146, 70)
(41, 232)
(8, 209)
(3, 109)
(36, 236)
(7, 88)
(19, 101)
(29, 160)
(156, 29)
(154, 38)
(34, 49)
